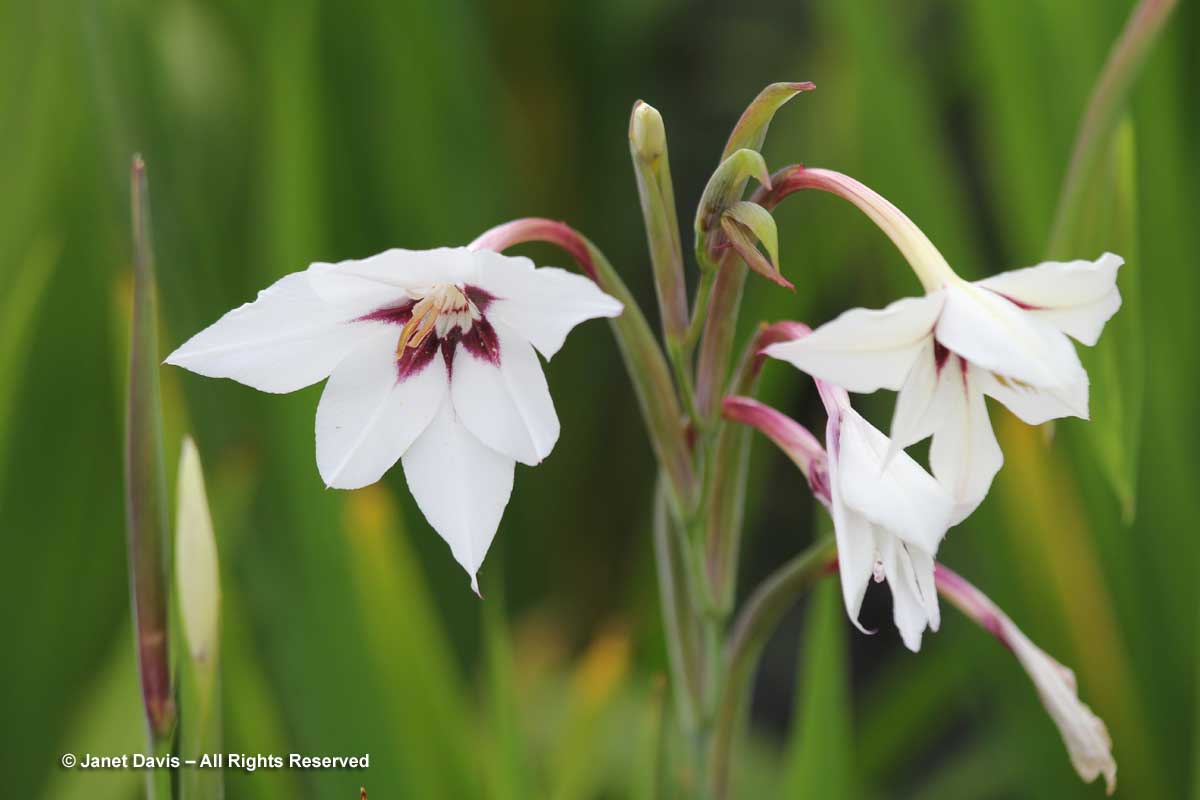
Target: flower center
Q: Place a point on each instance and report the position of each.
(443, 309)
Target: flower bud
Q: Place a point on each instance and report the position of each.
(647, 136)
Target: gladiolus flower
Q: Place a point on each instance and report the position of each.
(888, 519)
(1005, 336)
(430, 360)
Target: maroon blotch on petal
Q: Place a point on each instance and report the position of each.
(394, 315)
(415, 359)
(481, 341)
(480, 297)
(940, 354)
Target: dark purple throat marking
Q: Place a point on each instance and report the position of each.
(480, 341)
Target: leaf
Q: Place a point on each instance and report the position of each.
(145, 476)
(1107, 220)
(820, 749)
(509, 772)
(20, 300)
(108, 720)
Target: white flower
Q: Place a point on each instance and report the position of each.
(1005, 336)
(1085, 735)
(430, 359)
(889, 516)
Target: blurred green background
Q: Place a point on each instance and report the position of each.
(280, 133)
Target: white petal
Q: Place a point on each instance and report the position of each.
(1084, 734)
(508, 407)
(542, 305)
(364, 285)
(1077, 297)
(864, 350)
(1036, 406)
(995, 334)
(964, 454)
(923, 571)
(460, 485)
(912, 420)
(288, 338)
(901, 498)
(368, 417)
(908, 608)
(854, 534)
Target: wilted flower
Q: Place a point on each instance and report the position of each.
(1005, 336)
(430, 359)
(1085, 735)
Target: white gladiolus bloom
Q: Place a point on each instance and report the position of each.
(889, 517)
(1005, 336)
(430, 359)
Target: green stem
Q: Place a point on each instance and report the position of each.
(1107, 102)
(678, 621)
(754, 625)
(720, 324)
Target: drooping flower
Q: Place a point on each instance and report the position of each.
(1005, 336)
(888, 519)
(1085, 735)
(430, 359)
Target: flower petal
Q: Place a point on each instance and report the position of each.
(865, 349)
(359, 286)
(1085, 735)
(992, 332)
(544, 304)
(964, 455)
(1034, 405)
(908, 606)
(901, 498)
(460, 485)
(368, 416)
(288, 338)
(912, 420)
(854, 534)
(507, 406)
(1077, 297)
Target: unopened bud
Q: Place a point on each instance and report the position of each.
(647, 135)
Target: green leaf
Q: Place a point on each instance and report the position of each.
(108, 720)
(1107, 220)
(199, 596)
(20, 300)
(145, 477)
(508, 767)
(820, 749)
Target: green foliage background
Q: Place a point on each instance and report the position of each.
(280, 133)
